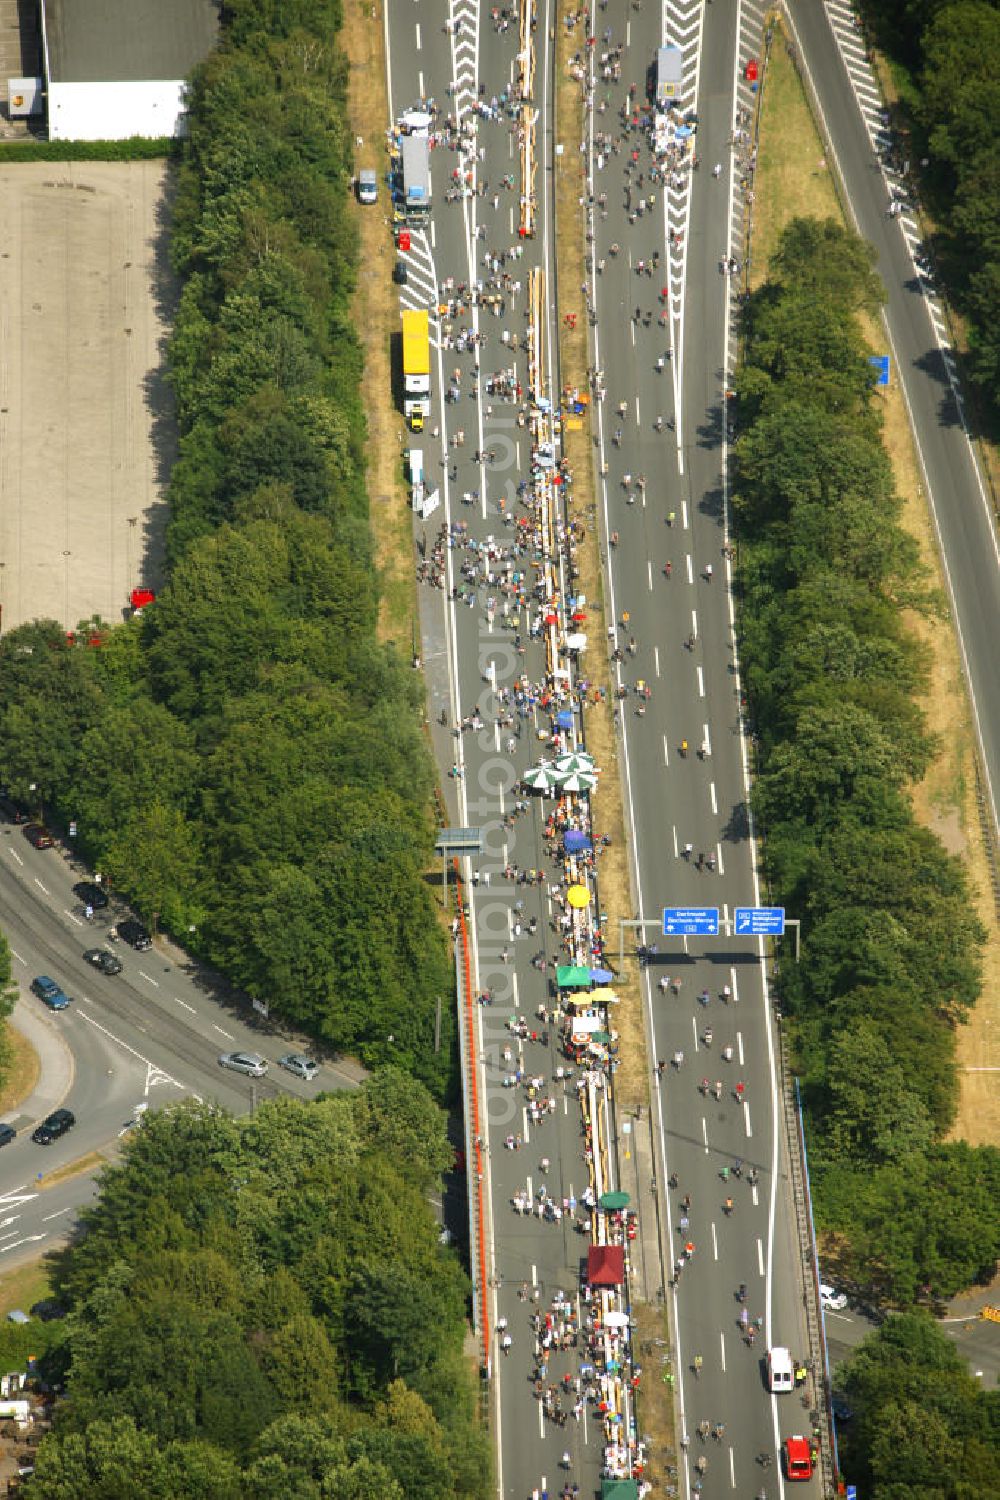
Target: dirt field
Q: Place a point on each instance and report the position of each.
(86, 432)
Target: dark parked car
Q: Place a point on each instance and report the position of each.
(46, 989)
(103, 960)
(39, 836)
(7, 1134)
(53, 1127)
(91, 894)
(133, 933)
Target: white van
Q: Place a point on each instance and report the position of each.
(780, 1370)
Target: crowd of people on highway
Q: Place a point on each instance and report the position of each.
(519, 577)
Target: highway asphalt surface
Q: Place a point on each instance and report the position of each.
(682, 626)
(147, 1037)
(671, 799)
(461, 649)
(954, 488)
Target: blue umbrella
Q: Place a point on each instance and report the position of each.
(564, 718)
(601, 976)
(574, 840)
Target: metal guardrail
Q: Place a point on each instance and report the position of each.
(473, 1127)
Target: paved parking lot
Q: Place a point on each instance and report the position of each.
(86, 431)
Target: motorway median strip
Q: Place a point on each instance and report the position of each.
(78, 1168)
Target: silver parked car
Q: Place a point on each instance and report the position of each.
(302, 1066)
(250, 1063)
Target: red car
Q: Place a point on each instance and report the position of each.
(798, 1458)
(39, 836)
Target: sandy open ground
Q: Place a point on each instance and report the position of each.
(86, 431)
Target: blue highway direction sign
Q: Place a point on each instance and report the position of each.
(690, 921)
(881, 363)
(760, 921)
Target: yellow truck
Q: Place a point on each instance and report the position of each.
(416, 367)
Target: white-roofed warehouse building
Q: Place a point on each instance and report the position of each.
(117, 68)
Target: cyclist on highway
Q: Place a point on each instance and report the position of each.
(668, 568)
(671, 517)
(728, 1205)
(741, 1295)
(696, 1366)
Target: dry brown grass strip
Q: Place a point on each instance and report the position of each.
(376, 318)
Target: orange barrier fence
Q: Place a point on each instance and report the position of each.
(478, 1254)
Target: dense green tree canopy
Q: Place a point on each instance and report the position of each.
(266, 1301)
(891, 959)
(923, 1426)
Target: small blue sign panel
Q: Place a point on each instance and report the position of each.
(852, 1492)
(690, 921)
(881, 363)
(760, 921)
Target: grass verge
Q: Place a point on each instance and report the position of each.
(22, 1073)
(792, 179)
(24, 1287)
(88, 1163)
(376, 318)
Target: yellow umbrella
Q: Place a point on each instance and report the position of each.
(602, 997)
(578, 896)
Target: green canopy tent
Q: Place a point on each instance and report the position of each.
(619, 1489)
(540, 779)
(613, 1201)
(573, 977)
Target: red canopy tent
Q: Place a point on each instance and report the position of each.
(606, 1265)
